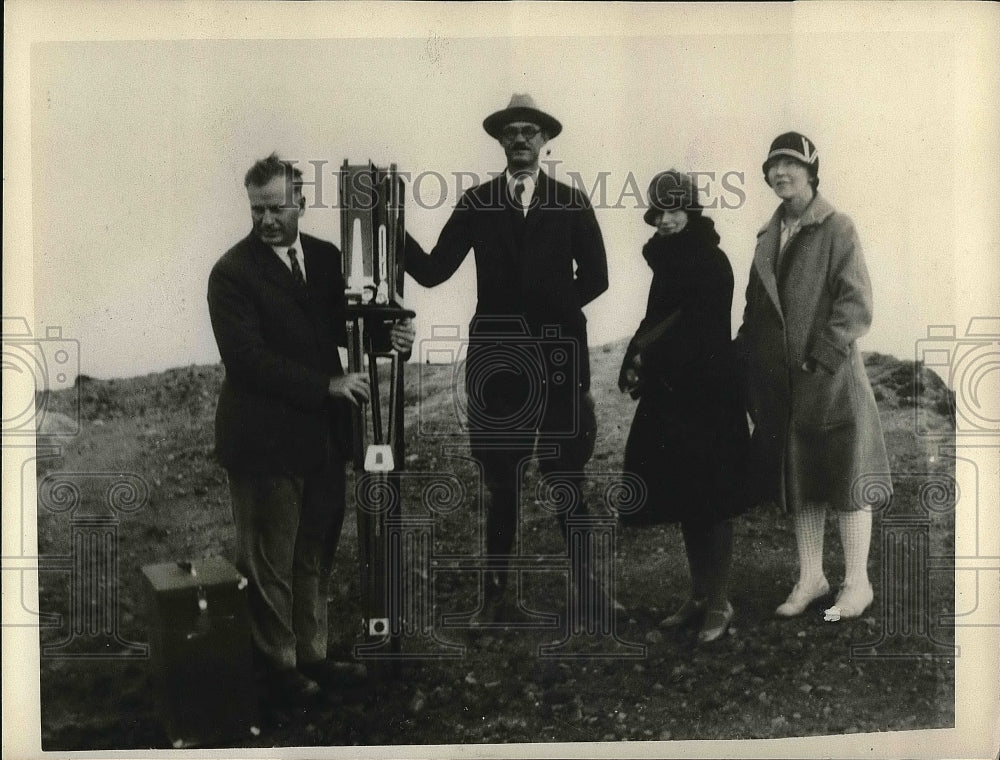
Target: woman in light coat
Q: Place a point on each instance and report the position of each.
(817, 441)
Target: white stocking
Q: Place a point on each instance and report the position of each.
(810, 521)
(856, 536)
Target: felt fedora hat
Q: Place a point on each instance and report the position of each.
(521, 108)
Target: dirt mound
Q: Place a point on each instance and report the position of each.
(192, 389)
(898, 384)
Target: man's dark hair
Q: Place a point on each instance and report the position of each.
(268, 168)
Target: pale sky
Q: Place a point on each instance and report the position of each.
(139, 149)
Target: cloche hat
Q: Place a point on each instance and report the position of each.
(796, 146)
(671, 191)
(521, 108)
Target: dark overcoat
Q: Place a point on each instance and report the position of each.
(688, 439)
(528, 364)
(279, 346)
(817, 435)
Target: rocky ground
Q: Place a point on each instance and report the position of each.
(767, 678)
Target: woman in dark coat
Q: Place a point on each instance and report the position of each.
(817, 440)
(689, 435)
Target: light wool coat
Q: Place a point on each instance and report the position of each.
(817, 435)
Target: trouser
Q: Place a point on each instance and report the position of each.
(563, 444)
(287, 529)
(503, 474)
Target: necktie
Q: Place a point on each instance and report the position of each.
(300, 278)
(519, 194)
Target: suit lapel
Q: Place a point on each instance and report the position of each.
(538, 204)
(276, 273)
(498, 205)
(316, 273)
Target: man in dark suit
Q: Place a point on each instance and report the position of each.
(276, 301)
(539, 259)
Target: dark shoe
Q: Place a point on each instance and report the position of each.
(687, 613)
(716, 624)
(289, 687)
(331, 674)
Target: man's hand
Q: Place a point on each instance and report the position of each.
(354, 387)
(402, 335)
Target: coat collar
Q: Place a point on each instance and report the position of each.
(815, 213)
(768, 240)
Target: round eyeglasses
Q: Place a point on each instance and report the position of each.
(510, 133)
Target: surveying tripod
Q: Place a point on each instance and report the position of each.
(372, 239)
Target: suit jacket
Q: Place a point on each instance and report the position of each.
(541, 269)
(278, 343)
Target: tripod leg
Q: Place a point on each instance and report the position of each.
(397, 442)
(376, 401)
(355, 363)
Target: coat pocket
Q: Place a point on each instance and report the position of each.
(821, 400)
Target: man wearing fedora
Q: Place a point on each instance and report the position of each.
(539, 259)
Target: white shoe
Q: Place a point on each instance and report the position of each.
(801, 597)
(853, 600)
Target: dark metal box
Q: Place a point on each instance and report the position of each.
(199, 636)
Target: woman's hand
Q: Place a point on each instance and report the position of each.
(628, 379)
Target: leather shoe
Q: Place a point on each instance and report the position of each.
(801, 597)
(333, 674)
(854, 599)
(289, 687)
(685, 614)
(716, 624)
